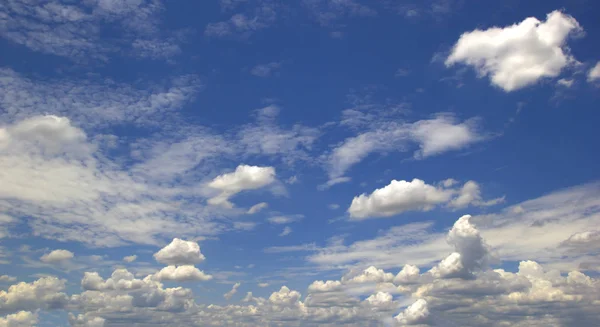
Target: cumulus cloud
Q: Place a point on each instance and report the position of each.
(409, 274)
(57, 256)
(86, 321)
(244, 177)
(519, 55)
(397, 197)
(180, 252)
(416, 195)
(416, 313)
(44, 293)
(181, 274)
(232, 292)
(594, 73)
(19, 319)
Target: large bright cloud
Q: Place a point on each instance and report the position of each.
(519, 55)
(180, 252)
(400, 196)
(244, 177)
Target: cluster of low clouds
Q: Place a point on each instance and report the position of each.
(461, 289)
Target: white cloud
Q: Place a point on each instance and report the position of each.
(266, 70)
(244, 177)
(257, 207)
(57, 256)
(434, 136)
(244, 25)
(181, 274)
(397, 197)
(564, 82)
(594, 73)
(470, 194)
(130, 258)
(180, 252)
(286, 231)
(75, 29)
(519, 55)
(416, 313)
(402, 196)
(325, 286)
(263, 285)
(19, 319)
(43, 293)
(443, 134)
(279, 220)
(408, 275)
(232, 292)
(86, 321)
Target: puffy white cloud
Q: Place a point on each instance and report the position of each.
(180, 252)
(594, 73)
(401, 196)
(243, 178)
(121, 279)
(325, 286)
(380, 299)
(257, 207)
(285, 297)
(472, 254)
(181, 274)
(519, 55)
(19, 319)
(44, 293)
(416, 313)
(57, 256)
(370, 275)
(263, 285)
(232, 292)
(408, 275)
(397, 197)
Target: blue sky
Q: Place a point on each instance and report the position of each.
(310, 163)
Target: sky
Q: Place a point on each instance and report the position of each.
(299, 163)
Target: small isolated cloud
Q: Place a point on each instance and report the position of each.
(57, 256)
(565, 82)
(286, 231)
(243, 178)
(263, 285)
(181, 274)
(416, 195)
(232, 292)
(280, 220)
(333, 206)
(519, 55)
(594, 73)
(180, 252)
(257, 207)
(402, 72)
(6, 278)
(130, 258)
(265, 70)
